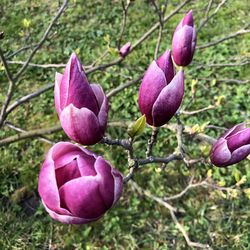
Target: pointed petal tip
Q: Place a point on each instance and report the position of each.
(188, 19)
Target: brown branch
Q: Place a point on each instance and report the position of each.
(151, 141)
(28, 97)
(30, 134)
(41, 42)
(172, 211)
(207, 17)
(230, 36)
(41, 138)
(44, 66)
(186, 112)
(10, 89)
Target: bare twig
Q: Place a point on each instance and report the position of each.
(230, 36)
(30, 134)
(44, 66)
(10, 89)
(160, 14)
(185, 112)
(172, 211)
(41, 42)
(226, 80)
(124, 21)
(207, 17)
(19, 51)
(28, 97)
(118, 89)
(119, 142)
(41, 138)
(151, 141)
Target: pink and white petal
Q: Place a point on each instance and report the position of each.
(166, 64)
(47, 186)
(234, 129)
(118, 187)
(103, 105)
(66, 173)
(81, 125)
(86, 165)
(67, 219)
(75, 88)
(240, 154)
(169, 100)
(152, 84)
(105, 181)
(82, 197)
(238, 139)
(221, 155)
(63, 153)
(58, 79)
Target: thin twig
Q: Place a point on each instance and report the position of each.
(151, 141)
(207, 17)
(186, 112)
(28, 97)
(41, 138)
(230, 36)
(172, 211)
(124, 21)
(10, 89)
(30, 134)
(41, 42)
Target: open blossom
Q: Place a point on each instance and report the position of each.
(81, 107)
(184, 41)
(76, 186)
(232, 147)
(125, 49)
(161, 91)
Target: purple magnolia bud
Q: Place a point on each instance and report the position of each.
(232, 147)
(184, 41)
(161, 91)
(125, 49)
(76, 186)
(81, 107)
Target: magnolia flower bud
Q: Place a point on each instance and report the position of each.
(76, 186)
(81, 107)
(232, 147)
(125, 49)
(161, 91)
(184, 41)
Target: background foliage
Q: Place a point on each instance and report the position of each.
(215, 217)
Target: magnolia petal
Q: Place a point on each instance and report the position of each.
(166, 64)
(240, 154)
(82, 197)
(47, 186)
(118, 184)
(58, 78)
(182, 46)
(152, 84)
(81, 125)
(235, 129)
(188, 19)
(238, 139)
(103, 105)
(75, 88)
(220, 155)
(67, 219)
(169, 100)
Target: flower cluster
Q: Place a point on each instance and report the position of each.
(77, 186)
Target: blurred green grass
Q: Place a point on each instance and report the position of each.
(212, 217)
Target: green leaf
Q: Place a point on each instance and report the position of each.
(137, 127)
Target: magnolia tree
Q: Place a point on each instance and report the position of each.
(78, 186)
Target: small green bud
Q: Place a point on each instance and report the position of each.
(136, 128)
